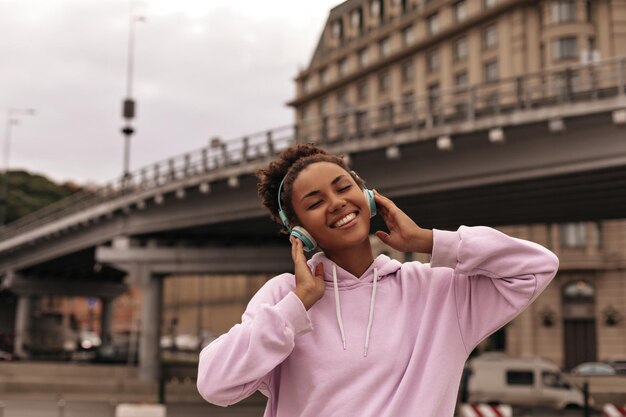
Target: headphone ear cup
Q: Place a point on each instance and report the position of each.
(369, 196)
(307, 240)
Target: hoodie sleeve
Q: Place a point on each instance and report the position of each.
(495, 278)
(239, 362)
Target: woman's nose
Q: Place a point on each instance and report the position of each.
(337, 203)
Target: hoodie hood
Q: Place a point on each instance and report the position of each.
(384, 265)
(336, 276)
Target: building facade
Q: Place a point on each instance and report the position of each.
(375, 54)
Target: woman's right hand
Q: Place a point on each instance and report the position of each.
(309, 287)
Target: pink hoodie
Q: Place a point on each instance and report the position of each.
(390, 343)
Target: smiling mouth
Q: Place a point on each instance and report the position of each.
(349, 218)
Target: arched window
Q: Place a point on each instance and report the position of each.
(578, 289)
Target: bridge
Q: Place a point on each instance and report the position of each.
(539, 148)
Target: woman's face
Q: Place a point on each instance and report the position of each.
(330, 206)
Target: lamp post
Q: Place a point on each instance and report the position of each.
(128, 104)
(11, 120)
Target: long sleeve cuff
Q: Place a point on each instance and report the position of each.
(445, 248)
(295, 314)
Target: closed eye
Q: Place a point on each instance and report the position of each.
(341, 190)
(315, 205)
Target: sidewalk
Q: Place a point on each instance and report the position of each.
(50, 408)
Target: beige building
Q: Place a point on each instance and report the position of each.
(376, 52)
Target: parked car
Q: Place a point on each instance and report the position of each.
(619, 365)
(89, 340)
(524, 382)
(5, 356)
(123, 348)
(594, 368)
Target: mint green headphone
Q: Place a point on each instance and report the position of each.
(300, 232)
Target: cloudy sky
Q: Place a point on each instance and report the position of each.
(203, 68)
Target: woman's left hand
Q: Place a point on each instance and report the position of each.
(404, 235)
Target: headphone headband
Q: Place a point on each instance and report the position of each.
(281, 213)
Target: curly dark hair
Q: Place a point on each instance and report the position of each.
(288, 165)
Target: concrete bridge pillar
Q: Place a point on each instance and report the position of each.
(106, 320)
(22, 325)
(149, 343)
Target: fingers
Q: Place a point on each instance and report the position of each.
(319, 270)
(382, 236)
(297, 250)
(383, 201)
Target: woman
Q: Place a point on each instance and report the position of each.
(353, 335)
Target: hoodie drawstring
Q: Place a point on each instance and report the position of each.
(338, 307)
(369, 322)
(371, 315)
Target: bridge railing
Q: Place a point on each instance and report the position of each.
(461, 104)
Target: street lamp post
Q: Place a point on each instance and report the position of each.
(12, 120)
(128, 104)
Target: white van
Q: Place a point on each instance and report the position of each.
(495, 378)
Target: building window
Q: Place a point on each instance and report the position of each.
(342, 100)
(363, 58)
(306, 85)
(598, 235)
(433, 94)
(487, 4)
(323, 107)
(408, 72)
(385, 47)
(404, 4)
(491, 71)
(490, 36)
(408, 36)
(460, 11)
(432, 23)
(338, 29)
(384, 82)
(460, 79)
(304, 112)
(362, 91)
(579, 289)
(589, 10)
(408, 102)
(565, 48)
(573, 235)
(377, 9)
(433, 60)
(386, 113)
(356, 20)
(342, 66)
(460, 49)
(323, 76)
(563, 11)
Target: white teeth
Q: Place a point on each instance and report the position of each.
(345, 220)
